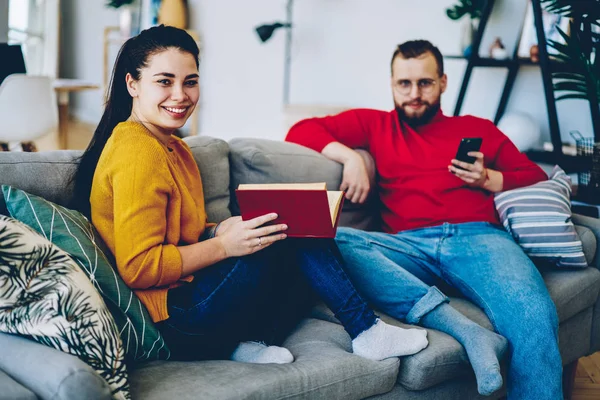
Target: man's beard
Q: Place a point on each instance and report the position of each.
(430, 111)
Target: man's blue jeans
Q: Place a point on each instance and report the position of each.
(260, 297)
(395, 272)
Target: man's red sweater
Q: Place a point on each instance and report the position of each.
(415, 187)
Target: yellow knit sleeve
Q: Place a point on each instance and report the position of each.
(141, 190)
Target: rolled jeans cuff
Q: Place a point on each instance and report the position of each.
(428, 302)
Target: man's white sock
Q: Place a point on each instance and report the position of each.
(259, 353)
(382, 341)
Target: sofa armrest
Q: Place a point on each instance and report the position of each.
(49, 373)
(13, 390)
(592, 224)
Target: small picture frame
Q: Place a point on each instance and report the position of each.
(552, 22)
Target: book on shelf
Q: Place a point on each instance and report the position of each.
(308, 209)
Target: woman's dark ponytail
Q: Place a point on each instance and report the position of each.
(132, 57)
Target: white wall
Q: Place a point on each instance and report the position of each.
(341, 53)
(3, 21)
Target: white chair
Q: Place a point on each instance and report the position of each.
(28, 108)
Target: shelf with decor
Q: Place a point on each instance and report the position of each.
(563, 72)
(554, 66)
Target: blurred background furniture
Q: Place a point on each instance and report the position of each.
(27, 108)
(63, 88)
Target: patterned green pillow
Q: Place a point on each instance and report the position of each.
(45, 296)
(72, 232)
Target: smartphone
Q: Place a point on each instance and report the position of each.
(467, 145)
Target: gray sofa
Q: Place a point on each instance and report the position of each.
(323, 367)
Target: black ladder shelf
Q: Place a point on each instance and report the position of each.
(547, 67)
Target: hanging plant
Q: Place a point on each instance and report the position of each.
(580, 51)
(473, 8)
(118, 3)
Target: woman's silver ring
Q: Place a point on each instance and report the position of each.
(259, 241)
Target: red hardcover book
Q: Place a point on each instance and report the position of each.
(308, 209)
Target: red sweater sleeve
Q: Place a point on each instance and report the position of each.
(351, 128)
(517, 170)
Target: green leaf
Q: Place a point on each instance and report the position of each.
(572, 96)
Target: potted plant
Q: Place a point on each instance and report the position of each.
(473, 9)
(581, 53)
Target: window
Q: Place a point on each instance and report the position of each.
(34, 25)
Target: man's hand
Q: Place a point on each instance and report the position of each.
(476, 175)
(355, 179)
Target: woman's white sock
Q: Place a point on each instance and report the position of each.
(382, 341)
(259, 353)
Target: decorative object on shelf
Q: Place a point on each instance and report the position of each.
(469, 26)
(552, 24)
(467, 33)
(173, 13)
(265, 32)
(130, 16)
(153, 11)
(497, 50)
(522, 130)
(580, 49)
(534, 53)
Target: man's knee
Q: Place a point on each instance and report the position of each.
(534, 314)
(350, 237)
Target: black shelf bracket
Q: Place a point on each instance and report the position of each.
(485, 16)
(547, 67)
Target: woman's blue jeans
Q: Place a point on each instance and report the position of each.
(397, 273)
(260, 297)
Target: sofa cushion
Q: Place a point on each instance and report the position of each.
(60, 376)
(589, 242)
(53, 170)
(13, 390)
(269, 161)
(539, 219)
(73, 233)
(212, 157)
(573, 292)
(45, 174)
(45, 295)
(323, 369)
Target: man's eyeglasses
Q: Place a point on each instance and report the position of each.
(404, 86)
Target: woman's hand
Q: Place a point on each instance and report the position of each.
(240, 238)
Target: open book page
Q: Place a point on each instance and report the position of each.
(334, 198)
(283, 186)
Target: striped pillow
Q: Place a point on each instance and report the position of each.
(539, 219)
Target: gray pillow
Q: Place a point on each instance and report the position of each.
(539, 219)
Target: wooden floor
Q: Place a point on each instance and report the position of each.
(587, 379)
(80, 134)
